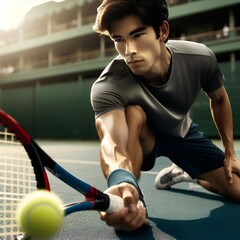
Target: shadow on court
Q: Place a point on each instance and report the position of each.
(222, 222)
(184, 212)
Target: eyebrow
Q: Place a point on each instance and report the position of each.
(131, 33)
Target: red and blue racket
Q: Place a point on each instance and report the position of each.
(23, 167)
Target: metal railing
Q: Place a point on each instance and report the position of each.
(178, 2)
(211, 35)
(94, 54)
(30, 64)
(14, 36)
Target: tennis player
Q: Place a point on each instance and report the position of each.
(142, 102)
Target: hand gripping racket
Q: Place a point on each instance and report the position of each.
(22, 170)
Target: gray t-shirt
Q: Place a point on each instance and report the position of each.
(194, 67)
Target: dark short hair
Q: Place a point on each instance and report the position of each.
(151, 12)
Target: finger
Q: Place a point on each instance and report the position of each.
(114, 219)
(229, 175)
(126, 220)
(129, 194)
(140, 218)
(124, 190)
(131, 222)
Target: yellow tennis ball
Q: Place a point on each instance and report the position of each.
(40, 214)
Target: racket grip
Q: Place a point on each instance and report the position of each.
(115, 203)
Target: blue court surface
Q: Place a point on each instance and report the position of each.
(186, 211)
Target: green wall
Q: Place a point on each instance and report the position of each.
(200, 110)
(69, 113)
(19, 102)
(63, 110)
(53, 111)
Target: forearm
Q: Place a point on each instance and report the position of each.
(113, 156)
(222, 116)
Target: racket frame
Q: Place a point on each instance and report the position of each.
(40, 160)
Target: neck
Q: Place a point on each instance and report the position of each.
(159, 80)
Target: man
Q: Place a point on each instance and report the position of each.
(142, 102)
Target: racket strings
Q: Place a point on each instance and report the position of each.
(17, 179)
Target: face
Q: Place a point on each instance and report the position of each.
(139, 47)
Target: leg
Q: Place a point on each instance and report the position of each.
(194, 155)
(216, 181)
(141, 139)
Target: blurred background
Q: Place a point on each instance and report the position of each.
(50, 56)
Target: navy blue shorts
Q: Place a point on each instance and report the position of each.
(194, 153)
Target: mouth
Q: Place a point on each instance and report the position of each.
(133, 61)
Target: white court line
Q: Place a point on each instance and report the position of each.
(192, 186)
(88, 162)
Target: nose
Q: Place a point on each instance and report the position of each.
(130, 48)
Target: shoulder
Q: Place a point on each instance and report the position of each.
(188, 48)
(198, 62)
(196, 55)
(115, 77)
(111, 90)
(116, 69)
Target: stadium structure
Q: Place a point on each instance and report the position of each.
(48, 64)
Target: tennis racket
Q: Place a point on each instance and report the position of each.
(23, 167)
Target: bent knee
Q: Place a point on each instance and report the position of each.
(217, 183)
(235, 188)
(232, 191)
(235, 196)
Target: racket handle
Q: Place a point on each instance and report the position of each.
(115, 203)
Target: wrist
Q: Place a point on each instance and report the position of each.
(119, 176)
(229, 149)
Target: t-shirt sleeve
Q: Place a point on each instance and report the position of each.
(214, 78)
(107, 95)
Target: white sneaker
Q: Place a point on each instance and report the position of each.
(170, 176)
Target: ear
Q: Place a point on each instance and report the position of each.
(164, 31)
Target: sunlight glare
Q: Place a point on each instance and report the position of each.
(12, 12)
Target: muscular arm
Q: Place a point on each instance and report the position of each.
(222, 115)
(114, 135)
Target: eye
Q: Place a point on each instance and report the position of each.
(137, 35)
(116, 40)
